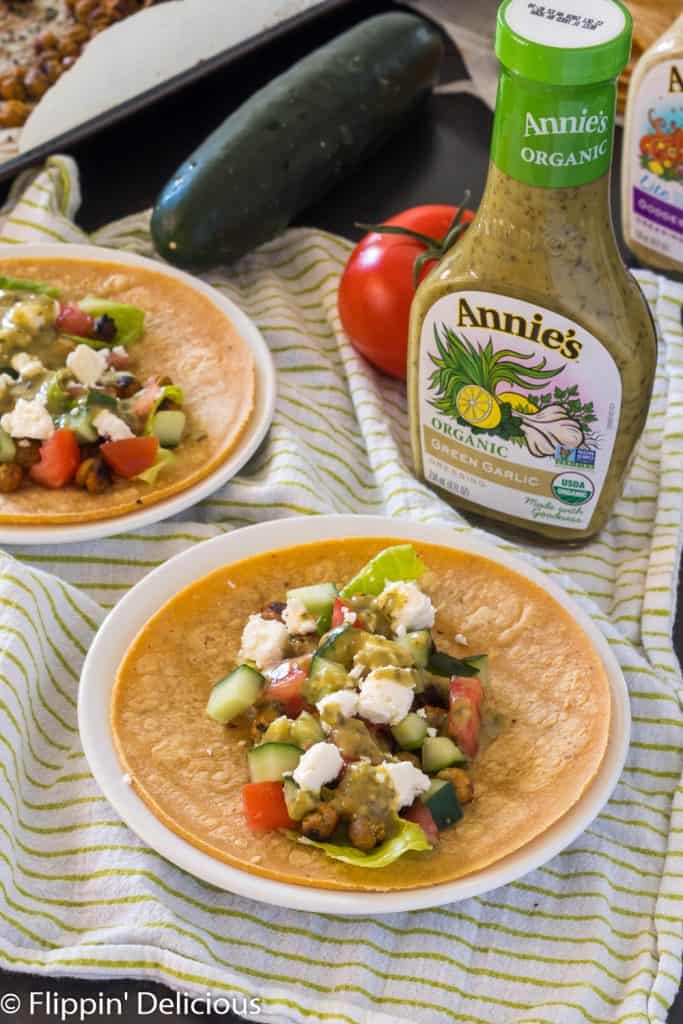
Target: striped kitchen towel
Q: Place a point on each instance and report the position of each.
(593, 936)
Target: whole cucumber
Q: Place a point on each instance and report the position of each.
(294, 139)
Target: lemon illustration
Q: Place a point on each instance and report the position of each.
(518, 402)
(478, 407)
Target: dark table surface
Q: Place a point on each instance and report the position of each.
(443, 152)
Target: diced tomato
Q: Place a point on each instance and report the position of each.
(73, 320)
(465, 697)
(60, 457)
(338, 613)
(131, 456)
(422, 816)
(286, 686)
(265, 807)
(144, 403)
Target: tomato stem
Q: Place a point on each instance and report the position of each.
(436, 248)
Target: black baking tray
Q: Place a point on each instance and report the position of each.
(91, 128)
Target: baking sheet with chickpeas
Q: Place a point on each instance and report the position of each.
(41, 39)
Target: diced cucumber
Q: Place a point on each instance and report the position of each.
(480, 662)
(325, 677)
(411, 732)
(232, 696)
(442, 664)
(440, 752)
(8, 449)
(418, 644)
(442, 802)
(307, 730)
(80, 422)
(316, 599)
(341, 645)
(269, 761)
(299, 801)
(168, 425)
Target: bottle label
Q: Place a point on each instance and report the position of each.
(519, 408)
(657, 161)
(551, 136)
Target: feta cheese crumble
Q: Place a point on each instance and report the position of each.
(108, 425)
(27, 366)
(297, 618)
(408, 781)
(345, 700)
(264, 641)
(319, 765)
(28, 419)
(407, 607)
(349, 616)
(87, 364)
(383, 701)
(32, 314)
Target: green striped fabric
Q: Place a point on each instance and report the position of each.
(594, 936)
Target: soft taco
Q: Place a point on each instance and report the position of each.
(384, 717)
(119, 386)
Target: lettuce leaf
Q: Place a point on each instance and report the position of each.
(408, 836)
(163, 459)
(129, 320)
(22, 284)
(397, 563)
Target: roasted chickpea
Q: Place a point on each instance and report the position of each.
(28, 453)
(407, 755)
(321, 823)
(264, 716)
(47, 40)
(37, 83)
(11, 477)
(52, 69)
(461, 782)
(12, 85)
(93, 475)
(365, 833)
(84, 9)
(13, 113)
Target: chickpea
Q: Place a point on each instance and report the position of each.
(37, 83)
(84, 9)
(52, 69)
(47, 40)
(11, 477)
(13, 113)
(365, 833)
(68, 47)
(407, 755)
(321, 823)
(461, 782)
(12, 85)
(27, 454)
(93, 475)
(264, 716)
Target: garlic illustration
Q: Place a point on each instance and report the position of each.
(549, 427)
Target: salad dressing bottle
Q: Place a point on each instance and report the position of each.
(652, 168)
(532, 349)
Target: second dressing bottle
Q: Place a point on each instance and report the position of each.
(532, 350)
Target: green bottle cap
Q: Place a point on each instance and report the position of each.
(566, 42)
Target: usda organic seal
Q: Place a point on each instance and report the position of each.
(573, 488)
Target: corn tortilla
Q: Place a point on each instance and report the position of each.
(186, 338)
(545, 680)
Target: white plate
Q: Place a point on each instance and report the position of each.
(133, 611)
(256, 429)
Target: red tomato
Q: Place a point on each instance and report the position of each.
(131, 456)
(60, 457)
(464, 714)
(376, 288)
(286, 686)
(72, 320)
(338, 613)
(265, 807)
(422, 816)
